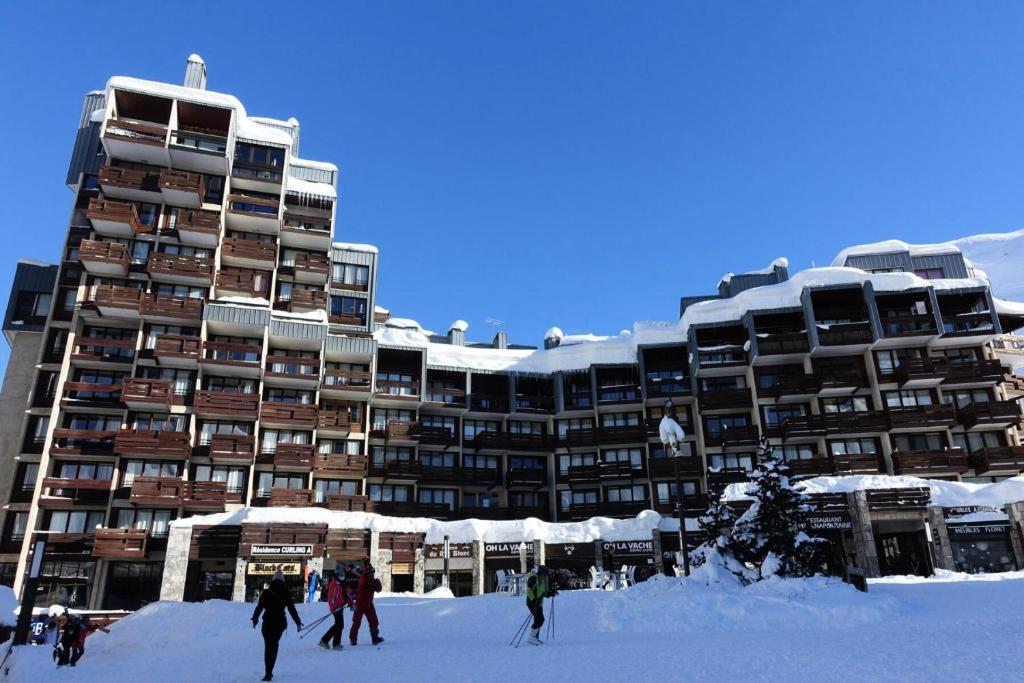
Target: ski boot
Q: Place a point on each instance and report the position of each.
(375, 637)
(534, 638)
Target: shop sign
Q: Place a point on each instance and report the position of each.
(435, 551)
(829, 521)
(961, 510)
(972, 530)
(506, 549)
(281, 550)
(265, 568)
(629, 547)
(569, 551)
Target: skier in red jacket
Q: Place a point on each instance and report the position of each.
(337, 599)
(368, 585)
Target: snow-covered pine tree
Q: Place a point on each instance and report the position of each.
(771, 535)
(716, 524)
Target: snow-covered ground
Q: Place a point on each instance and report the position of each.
(952, 628)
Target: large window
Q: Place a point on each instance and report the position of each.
(75, 522)
(633, 456)
(273, 437)
(348, 310)
(527, 499)
(437, 459)
(473, 428)
(149, 468)
(207, 429)
(798, 451)
(774, 416)
(335, 487)
(156, 522)
(908, 398)
(101, 471)
(567, 460)
(626, 494)
(714, 425)
(620, 419)
(732, 461)
(567, 500)
(444, 497)
(846, 404)
(350, 275)
(853, 446)
(666, 491)
(233, 477)
(928, 441)
(386, 493)
(385, 454)
(267, 481)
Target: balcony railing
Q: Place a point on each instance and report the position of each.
(669, 386)
(929, 462)
(967, 325)
(147, 392)
(928, 369)
(449, 396)
(178, 266)
(437, 436)
(863, 463)
(1003, 458)
(100, 349)
(526, 476)
(116, 297)
(571, 438)
(291, 497)
(402, 469)
(837, 423)
(773, 344)
(92, 391)
(228, 353)
(83, 442)
(252, 283)
(232, 448)
(397, 389)
(169, 347)
(534, 404)
(198, 221)
(346, 465)
(302, 415)
(182, 182)
(836, 379)
(120, 544)
(529, 442)
(968, 372)
(717, 399)
(117, 178)
(845, 334)
(396, 430)
(172, 307)
(250, 250)
(791, 385)
(303, 300)
(139, 133)
(618, 393)
(313, 265)
(346, 319)
(738, 435)
(153, 443)
(337, 420)
(621, 434)
(156, 491)
(343, 503)
(109, 212)
(921, 416)
(488, 402)
(989, 413)
(100, 256)
(689, 465)
(908, 325)
(293, 456)
(204, 495)
(227, 403)
(291, 367)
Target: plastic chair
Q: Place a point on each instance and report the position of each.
(504, 585)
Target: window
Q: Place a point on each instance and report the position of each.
(31, 306)
(93, 423)
(473, 428)
(273, 437)
(396, 384)
(680, 413)
(18, 526)
(480, 462)
(444, 422)
(437, 459)
(527, 499)
(625, 455)
(620, 419)
(149, 468)
(480, 500)
(179, 291)
(382, 416)
(567, 460)
(732, 461)
(382, 454)
(348, 310)
(975, 441)
(28, 475)
(525, 427)
(84, 470)
(156, 522)
(75, 522)
(271, 480)
(666, 491)
(962, 398)
(516, 462)
(774, 416)
(577, 424)
(183, 382)
(798, 452)
(208, 428)
(853, 447)
(846, 404)
(386, 493)
(626, 494)
(350, 275)
(293, 396)
(928, 441)
(714, 425)
(335, 487)
(444, 497)
(233, 477)
(570, 499)
(339, 447)
(162, 422)
(888, 361)
(234, 385)
(930, 273)
(908, 398)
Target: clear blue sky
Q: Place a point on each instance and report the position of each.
(572, 164)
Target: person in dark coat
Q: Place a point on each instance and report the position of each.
(538, 587)
(367, 586)
(85, 629)
(273, 602)
(337, 599)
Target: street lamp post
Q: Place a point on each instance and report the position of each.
(671, 435)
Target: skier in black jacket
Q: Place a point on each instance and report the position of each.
(272, 604)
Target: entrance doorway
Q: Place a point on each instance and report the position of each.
(904, 553)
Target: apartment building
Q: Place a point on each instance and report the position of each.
(206, 344)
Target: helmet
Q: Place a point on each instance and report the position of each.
(543, 570)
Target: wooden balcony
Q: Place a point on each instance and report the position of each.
(622, 434)
(298, 371)
(198, 227)
(921, 416)
(82, 442)
(352, 321)
(147, 394)
(165, 491)
(137, 133)
(493, 512)
(303, 300)
(898, 499)
(659, 387)
(612, 394)
(63, 493)
(731, 437)
(974, 372)
(118, 301)
(105, 259)
(120, 544)
(803, 468)
(152, 443)
(59, 483)
(343, 465)
(846, 334)
(345, 380)
(835, 423)
(241, 360)
(244, 281)
(405, 470)
(226, 404)
(174, 350)
(921, 372)
(126, 183)
(689, 466)
(864, 463)
(437, 436)
(782, 343)
(178, 269)
(583, 476)
(725, 399)
(293, 456)
(526, 477)
(1001, 458)
(526, 511)
(916, 325)
(291, 498)
(99, 350)
(834, 382)
(288, 415)
(410, 509)
(342, 503)
(248, 253)
(575, 438)
(968, 324)
(397, 390)
(530, 442)
(337, 422)
(171, 308)
(1001, 413)
(182, 188)
(114, 219)
(791, 387)
(204, 495)
(396, 431)
(233, 449)
(92, 392)
(311, 267)
(487, 441)
(721, 476)
(482, 402)
(918, 463)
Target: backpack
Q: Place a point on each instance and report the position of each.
(377, 586)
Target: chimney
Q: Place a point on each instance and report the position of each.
(553, 337)
(195, 72)
(500, 340)
(457, 333)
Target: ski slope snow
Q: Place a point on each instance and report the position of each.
(951, 628)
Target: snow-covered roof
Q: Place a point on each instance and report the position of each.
(309, 163)
(554, 333)
(251, 129)
(640, 527)
(781, 262)
(308, 187)
(353, 246)
(997, 257)
(381, 309)
(460, 325)
(893, 246)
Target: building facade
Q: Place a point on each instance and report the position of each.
(205, 344)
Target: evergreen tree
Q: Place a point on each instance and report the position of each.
(770, 536)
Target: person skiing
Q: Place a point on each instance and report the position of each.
(68, 638)
(538, 587)
(85, 629)
(367, 586)
(314, 586)
(273, 603)
(337, 599)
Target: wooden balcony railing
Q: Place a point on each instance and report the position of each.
(402, 469)
(157, 392)
(968, 372)
(105, 350)
(128, 179)
(844, 334)
(921, 416)
(138, 133)
(395, 430)
(296, 456)
(571, 438)
(791, 385)
(531, 403)
(120, 544)
(337, 420)
(342, 503)
(175, 265)
(811, 467)
(82, 442)
(59, 483)
(152, 443)
(112, 211)
(865, 463)
(929, 462)
(968, 324)
(739, 435)
(312, 264)
(493, 512)
(290, 367)
(177, 308)
(352, 321)
(228, 353)
(488, 402)
(105, 254)
(199, 221)
(780, 343)
(677, 385)
(156, 491)
(227, 403)
(232, 448)
(253, 283)
(92, 391)
(622, 434)
(182, 181)
(436, 436)
(908, 325)
(526, 476)
(291, 497)
(346, 465)
(840, 379)
(515, 441)
(1005, 458)
(989, 413)
(301, 415)
(725, 398)
(168, 346)
(398, 390)
(118, 297)
(689, 465)
(204, 495)
(838, 423)
(921, 369)
(251, 250)
(333, 378)
(898, 499)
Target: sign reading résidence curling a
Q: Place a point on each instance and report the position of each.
(281, 550)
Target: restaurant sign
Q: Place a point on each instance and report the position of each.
(435, 551)
(645, 547)
(829, 521)
(267, 568)
(281, 550)
(506, 549)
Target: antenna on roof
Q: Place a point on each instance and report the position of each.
(494, 323)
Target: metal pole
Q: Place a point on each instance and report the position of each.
(28, 593)
(681, 502)
(447, 546)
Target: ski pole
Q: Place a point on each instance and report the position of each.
(307, 629)
(522, 630)
(551, 624)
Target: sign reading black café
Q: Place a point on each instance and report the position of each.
(435, 551)
(495, 550)
(278, 550)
